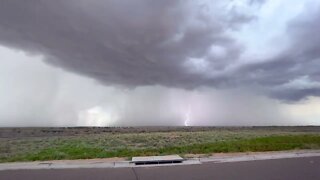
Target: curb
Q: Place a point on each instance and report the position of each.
(70, 164)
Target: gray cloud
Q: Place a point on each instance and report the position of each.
(167, 43)
(119, 42)
(259, 2)
(301, 59)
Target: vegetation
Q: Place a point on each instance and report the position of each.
(157, 143)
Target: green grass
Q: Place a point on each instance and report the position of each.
(81, 149)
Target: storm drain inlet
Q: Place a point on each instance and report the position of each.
(153, 160)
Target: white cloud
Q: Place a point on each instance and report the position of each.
(266, 36)
(197, 65)
(303, 82)
(217, 51)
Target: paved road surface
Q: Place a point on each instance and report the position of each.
(280, 169)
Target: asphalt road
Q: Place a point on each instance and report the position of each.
(280, 169)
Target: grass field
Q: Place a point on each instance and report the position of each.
(104, 144)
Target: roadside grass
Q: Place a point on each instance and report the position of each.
(77, 149)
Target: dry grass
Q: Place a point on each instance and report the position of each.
(108, 144)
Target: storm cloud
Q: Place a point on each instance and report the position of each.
(109, 60)
(131, 43)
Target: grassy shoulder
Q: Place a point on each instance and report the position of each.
(80, 150)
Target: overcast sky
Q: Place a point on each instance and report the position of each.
(168, 62)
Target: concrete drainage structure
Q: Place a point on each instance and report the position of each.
(150, 160)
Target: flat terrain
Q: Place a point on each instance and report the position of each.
(29, 144)
(293, 169)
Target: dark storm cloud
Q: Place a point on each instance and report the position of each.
(294, 95)
(116, 42)
(144, 42)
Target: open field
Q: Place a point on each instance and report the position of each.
(29, 144)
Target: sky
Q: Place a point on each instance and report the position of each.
(159, 63)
